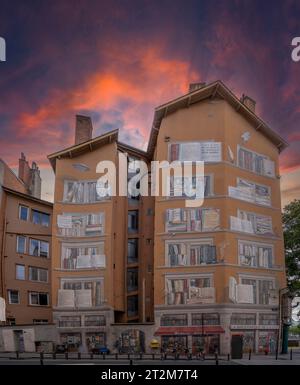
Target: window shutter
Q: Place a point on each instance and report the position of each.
(244, 293)
(66, 298)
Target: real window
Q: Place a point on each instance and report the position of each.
(11, 321)
(21, 244)
(13, 296)
(173, 320)
(132, 306)
(38, 274)
(38, 248)
(82, 256)
(255, 254)
(133, 220)
(23, 213)
(132, 250)
(132, 279)
(20, 272)
(40, 218)
(38, 299)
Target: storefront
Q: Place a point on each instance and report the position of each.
(207, 344)
(267, 340)
(95, 340)
(174, 343)
(72, 341)
(132, 341)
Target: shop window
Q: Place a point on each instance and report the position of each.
(23, 213)
(72, 341)
(21, 244)
(94, 320)
(132, 279)
(38, 299)
(131, 341)
(174, 344)
(40, 218)
(132, 306)
(255, 254)
(20, 272)
(132, 250)
(133, 220)
(205, 319)
(82, 256)
(267, 341)
(182, 220)
(207, 345)
(38, 248)
(173, 320)
(81, 225)
(95, 340)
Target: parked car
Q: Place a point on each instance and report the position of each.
(99, 349)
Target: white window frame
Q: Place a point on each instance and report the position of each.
(40, 213)
(20, 279)
(38, 274)
(27, 208)
(37, 292)
(188, 244)
(25, 244)
(9, 297)
(257, 244)
(39, 250)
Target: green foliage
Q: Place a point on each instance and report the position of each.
(291, 227)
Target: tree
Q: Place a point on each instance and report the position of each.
(291, 230)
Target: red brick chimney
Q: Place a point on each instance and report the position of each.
(83, 129)
(30, 176)
(24, 170)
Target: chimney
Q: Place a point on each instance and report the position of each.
(249, 102)
(196, 86)
(83, 129)
(30, 176)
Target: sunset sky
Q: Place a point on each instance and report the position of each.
(117, 60)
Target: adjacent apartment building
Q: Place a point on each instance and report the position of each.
(25, 253)
(133, 272)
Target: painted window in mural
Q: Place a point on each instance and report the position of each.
(255, 254)
(243, 319)
(82, 256)
(82, 192)
(267, 341)
(80, 224)
(196, 151)
(173, 320)
(80, 293)
(177, 186)
(94, 320)
(258, 163)
(260, 224)
(268, 319)
(205, 319)
(69, 321)
(71, 341)
(174, 344)
(189, 290)
(262, 289)
(190, 253)
(182, 220)
(248, 341)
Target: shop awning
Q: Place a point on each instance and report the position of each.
(188, 330)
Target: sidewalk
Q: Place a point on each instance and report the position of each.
(283, 359)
